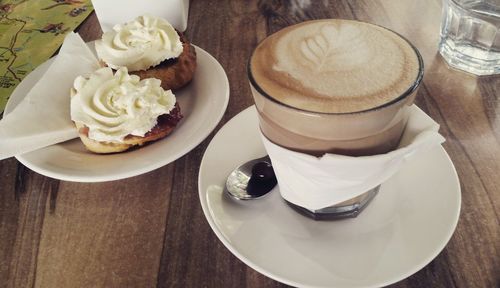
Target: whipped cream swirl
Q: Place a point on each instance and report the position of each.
(114, 106)
(138, 45)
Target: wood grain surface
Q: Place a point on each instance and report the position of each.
(149, 230)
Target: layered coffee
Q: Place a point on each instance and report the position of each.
(337, 86)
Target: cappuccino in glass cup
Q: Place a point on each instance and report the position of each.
(335, 86)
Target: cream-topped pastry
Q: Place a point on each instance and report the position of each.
(111, 108)
(140, 44)
(150, 48)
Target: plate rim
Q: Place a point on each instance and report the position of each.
(147, 168)
(226, 242)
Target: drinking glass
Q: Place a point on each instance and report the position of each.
(470, 37)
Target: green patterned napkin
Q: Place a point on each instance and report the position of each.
(31, 31)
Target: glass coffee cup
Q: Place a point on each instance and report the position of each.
(335, 86)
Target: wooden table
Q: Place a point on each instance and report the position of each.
(149, 230)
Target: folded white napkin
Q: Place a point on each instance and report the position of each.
(111, 13)
(43, 117)
(318, 182)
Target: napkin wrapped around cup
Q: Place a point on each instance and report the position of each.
(111, 13)
(43, 118)
(319, 182)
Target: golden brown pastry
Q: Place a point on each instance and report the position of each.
(114, 112)
(149, 47)
(166, 124)
(174, 73)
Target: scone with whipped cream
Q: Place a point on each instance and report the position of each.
(114, 112)
(149, 47)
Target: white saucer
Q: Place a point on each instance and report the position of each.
(408, 223)
(203, 103)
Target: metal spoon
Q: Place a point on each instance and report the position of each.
(251, 180)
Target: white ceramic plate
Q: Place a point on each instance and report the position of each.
(408, 223)
(202, 102)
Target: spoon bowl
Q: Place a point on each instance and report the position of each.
(251, 180)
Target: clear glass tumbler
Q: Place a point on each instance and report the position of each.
(377, 129)
(470, 35)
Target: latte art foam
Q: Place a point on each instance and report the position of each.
(334, 66)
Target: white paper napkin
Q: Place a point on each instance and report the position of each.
(43, 117)
(111, 13)
(318, 182)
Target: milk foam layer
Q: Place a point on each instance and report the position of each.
(334, 66)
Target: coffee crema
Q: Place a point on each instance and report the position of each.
(334, 66)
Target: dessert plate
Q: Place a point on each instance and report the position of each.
(408, 223)
(203, 103)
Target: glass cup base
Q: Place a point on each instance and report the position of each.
(456, 58)
(348, 209)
